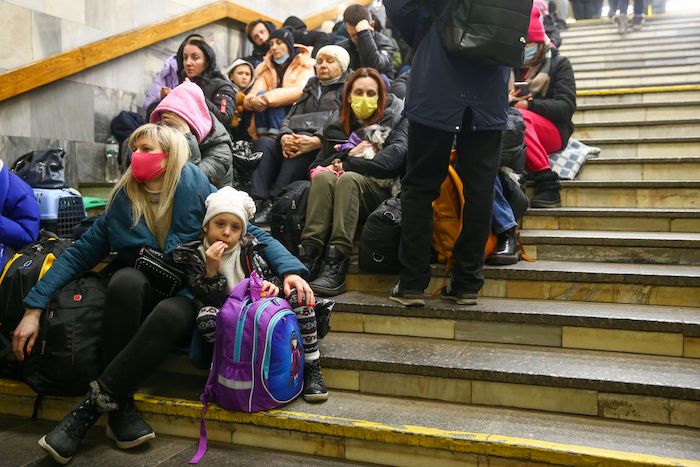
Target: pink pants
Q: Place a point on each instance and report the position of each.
(542, 138)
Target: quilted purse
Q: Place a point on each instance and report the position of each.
(165, 278)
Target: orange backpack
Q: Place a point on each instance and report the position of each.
(447, 217)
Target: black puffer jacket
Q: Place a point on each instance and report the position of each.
(559, 104)
(214, 155)
(387, 163)
(315, 98)
(213, 291)
(373, 50)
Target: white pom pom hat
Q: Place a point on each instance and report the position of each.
(230, 200)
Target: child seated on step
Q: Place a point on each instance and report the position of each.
(225, 256)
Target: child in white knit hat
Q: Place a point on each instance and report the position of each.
(224, 226)
(226, 256)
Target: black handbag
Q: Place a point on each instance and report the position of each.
(312, 122)
(165, 278)
(492, 32)
(42, 168)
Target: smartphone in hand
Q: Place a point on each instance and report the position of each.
(524, 88)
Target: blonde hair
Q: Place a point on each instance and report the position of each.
(174, 144)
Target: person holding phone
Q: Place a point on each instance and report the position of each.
(545, 95)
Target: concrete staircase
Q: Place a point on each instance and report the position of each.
(588, 356)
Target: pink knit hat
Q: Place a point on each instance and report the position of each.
(535, 32)
(187, 102)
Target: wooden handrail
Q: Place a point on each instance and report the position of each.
(48, 70)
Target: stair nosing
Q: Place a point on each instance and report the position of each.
(557, 367)
(617, 212)
(642, 160)
(549, 313)
(642, 123)
(632, 105)
(611, 238)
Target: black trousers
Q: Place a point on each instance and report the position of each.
(426, 168)
(274, 172)
(138, 330)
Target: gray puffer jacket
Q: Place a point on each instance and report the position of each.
(214, 155)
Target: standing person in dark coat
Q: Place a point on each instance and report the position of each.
(547, 110)
(367, 48)
(258, 33)
(447, 96)
(19, 213)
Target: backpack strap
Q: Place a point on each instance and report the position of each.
(202, 437)
(37, 403)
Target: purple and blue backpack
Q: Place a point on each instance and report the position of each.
(258, 360)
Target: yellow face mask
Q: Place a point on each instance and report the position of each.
(363, 107)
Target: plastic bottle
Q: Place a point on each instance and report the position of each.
(112, 173)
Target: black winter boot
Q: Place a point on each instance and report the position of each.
(546, 190)
(314, 385)
(62, 442)
(331, 279)
(126, 427)
(310, 256)
(507, 249)
(262, 215)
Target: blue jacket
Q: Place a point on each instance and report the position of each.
(19, 213)
(443, 86)
(112, 232)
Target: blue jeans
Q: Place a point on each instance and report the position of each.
(502, 218)
(269, 121)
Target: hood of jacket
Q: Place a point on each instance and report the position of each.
(187, 102)
(238, 62)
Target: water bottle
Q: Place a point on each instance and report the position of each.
(112, 173)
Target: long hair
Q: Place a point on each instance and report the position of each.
(174, 144)
(346, 113)
(208, 53)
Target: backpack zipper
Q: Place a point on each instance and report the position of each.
(239, 329)
(268, 342)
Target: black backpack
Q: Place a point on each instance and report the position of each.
(66, 354)
(288, 215)
(21, 272)
(380, 237)
(491, 32)
(513, 142)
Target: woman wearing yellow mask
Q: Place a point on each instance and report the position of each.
(350, 177)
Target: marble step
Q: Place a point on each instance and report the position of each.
(631, 97)
(672, 46)
(613, 247)
(630, 194)
(407, 431)
(629, 113)
(605, 61)
(641, 71)
(634, 168)
(689, 78)
(642, 284)
(20, 447)
(644, 148)
(641, 329)
(640, 129)
(614, 219)
(645, 36)
(605, 26)
(688, 58)
(509, 375)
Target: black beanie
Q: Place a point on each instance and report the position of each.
(286, 36)
(295, 24)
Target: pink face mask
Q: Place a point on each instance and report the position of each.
(147, 166)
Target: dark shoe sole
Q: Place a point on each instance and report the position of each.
(52, 452)
(502, 260)
(408, 301)
(129, 444)
(545, 204)
(460, 300)
(327, 292)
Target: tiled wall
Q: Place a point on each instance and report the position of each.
(75, 112)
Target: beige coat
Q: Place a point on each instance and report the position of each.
(295, 77)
